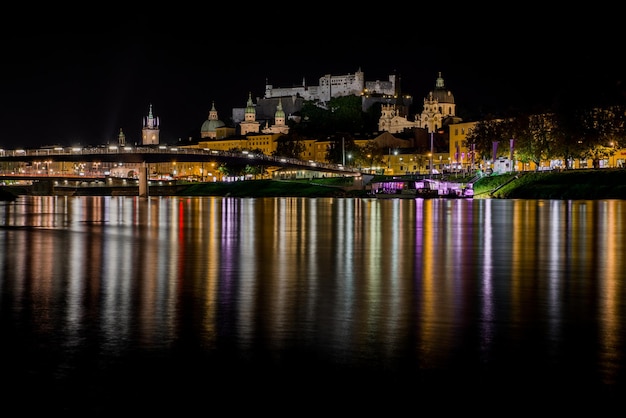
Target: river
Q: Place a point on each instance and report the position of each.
(295, 305)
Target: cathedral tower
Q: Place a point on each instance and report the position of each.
(150, 131)
(249, 124)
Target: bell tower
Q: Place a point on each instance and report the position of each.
(150, 131)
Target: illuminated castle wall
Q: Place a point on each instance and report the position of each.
(334, 86)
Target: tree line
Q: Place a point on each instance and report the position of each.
(566, 134)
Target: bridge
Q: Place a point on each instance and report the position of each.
(164, 154)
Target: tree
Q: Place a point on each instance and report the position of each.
(368, 155)
(533, 137)
(254, 170)
(289, 146)
(339, 114)
(579, 123)
(597, 153)
(341, 145)
(482, 137)
(610, 122)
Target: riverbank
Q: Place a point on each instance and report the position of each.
(6, 194)
(276, 188)
(569, 184)
(590, 184)
(249, 188)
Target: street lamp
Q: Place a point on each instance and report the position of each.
(613, 154)
(430, 164)
(395, 152)
(432, 134)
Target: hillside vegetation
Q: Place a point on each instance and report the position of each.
(568, 184)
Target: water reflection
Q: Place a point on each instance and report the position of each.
(412, 286)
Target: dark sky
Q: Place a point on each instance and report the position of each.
(73, 84)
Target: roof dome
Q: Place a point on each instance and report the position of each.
(211, 125)
(440, 93)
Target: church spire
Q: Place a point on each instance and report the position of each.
(250, 112)
(213, 112)
(279, 109)
(121, 139)
(150, 131)
(439, 82)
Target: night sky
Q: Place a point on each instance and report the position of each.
(74, 83)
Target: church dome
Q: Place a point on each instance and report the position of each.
(211, 125)
(440, 93)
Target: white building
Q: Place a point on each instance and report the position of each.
(391, 121)
(439, 110)
(331, 86)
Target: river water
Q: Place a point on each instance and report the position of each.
(113, 304)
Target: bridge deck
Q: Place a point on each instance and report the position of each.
(163, 154)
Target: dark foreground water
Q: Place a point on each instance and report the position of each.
(297, 306)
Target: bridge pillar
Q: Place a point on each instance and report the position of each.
(43, 188)
(143, 180)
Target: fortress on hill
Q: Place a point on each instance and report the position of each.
(292, 98)
(259, 125)
(335, 86)
(279, 104)
(439, 106)
(431, 139)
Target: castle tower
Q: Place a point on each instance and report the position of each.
(150, 131)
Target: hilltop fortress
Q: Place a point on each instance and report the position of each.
(335, 86)
(439, 106)
(292, 98)
(258, 126)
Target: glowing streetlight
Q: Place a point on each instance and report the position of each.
(430, 155)
(430, 164)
